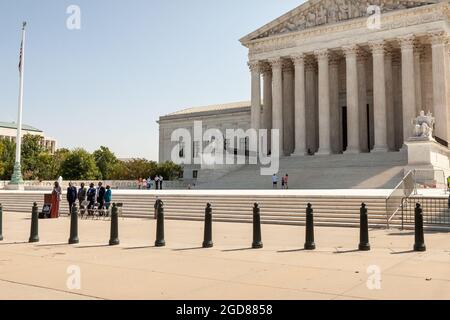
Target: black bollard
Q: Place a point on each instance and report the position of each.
(257, 243)
(207, 242)
(419, 244)
(157, 202)
(114, 239)
(34, 233)
(1, 222)
(364, 229)
(73, 239)
(309, 244)
(160, 242)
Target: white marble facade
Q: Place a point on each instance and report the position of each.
(331, 84)
(222, 117)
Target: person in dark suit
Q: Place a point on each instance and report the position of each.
(91, 198)
(71, 196)
(101, 196)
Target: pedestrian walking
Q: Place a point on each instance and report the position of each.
(286, 180)
(275, 181)
(282, 182)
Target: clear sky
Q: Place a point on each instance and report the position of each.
(131, 62)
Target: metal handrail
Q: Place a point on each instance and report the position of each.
(399, 185)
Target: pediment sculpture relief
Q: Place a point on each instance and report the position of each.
(331, 11)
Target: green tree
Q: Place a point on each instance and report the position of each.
(169, 170)
(2, 165)
(119, 171)
(31, 150)
(79, 165)
(7, 157)
(105, 161)
(140, 168)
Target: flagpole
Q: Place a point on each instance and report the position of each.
(16, 179)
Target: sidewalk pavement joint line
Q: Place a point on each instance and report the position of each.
(52, 289)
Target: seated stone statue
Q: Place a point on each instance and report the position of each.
(423, 126)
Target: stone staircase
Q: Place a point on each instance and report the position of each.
(343, 171)
(275, 209)
(330, 210)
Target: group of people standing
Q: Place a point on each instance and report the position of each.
(148, 183)
(93, 195)
(284, 181)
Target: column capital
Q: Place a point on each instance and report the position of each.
(334, 60)
(377, 46)
(350, 50)
(276, 63)
(362, 56)
(298, 59)
(266, 70)
(438, 37)
(255, 66)
(418, 49)
(322, 54)
(288, 66)
(310, 63)
(396, 58)
(407, 42)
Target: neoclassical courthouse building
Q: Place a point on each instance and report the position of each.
(341, 76)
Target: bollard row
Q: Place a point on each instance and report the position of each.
(364, 245)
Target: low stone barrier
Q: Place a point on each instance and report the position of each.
(115, 184)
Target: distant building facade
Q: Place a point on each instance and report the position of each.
(222, 117)
(8, 130)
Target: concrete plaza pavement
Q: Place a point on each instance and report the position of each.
(231, 270)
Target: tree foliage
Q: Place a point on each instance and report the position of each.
(105, 161)
(77, 164)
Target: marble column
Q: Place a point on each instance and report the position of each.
(418, 77)
(398, 105)
(300, 110)
(324, 102)
(277, 99)
(352, 99)
(427, 79)
(408, 85)
(267, 103)
(310, 104)
(390, 120)
(439, 47)
(288, 107)
(335, 111)
(255, 68)
(362, 101)
(379, 96)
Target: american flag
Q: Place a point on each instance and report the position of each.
(20, 58)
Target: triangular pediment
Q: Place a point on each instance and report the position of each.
(316, 13)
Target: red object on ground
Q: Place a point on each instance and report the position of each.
(55, 205)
